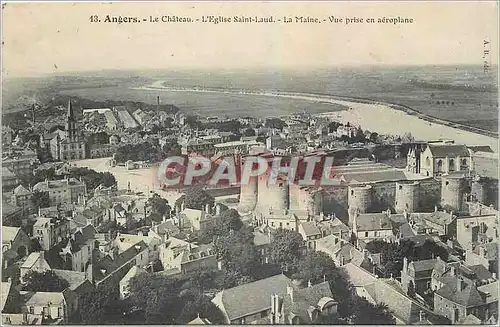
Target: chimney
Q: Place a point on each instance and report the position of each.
(309, 284)
(207, 208)
(41, 258)
(158, 100)
(452, 271)
(494, 276)
(460, 284)
(405, 265)
(217, 209)
(405, 214)
(421, 316)
(435, 208)
(289, 291)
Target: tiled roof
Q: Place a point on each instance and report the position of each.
(310, 228)
(470, 320)
(9, 233)
(305, 298)
(74, 278)
(423, 265)
(111, 265)
(253, 297)
(5, 288)
(21, 190)
(373, 221)
(448, 150)
(491, 291)
(469, 296)
(42, 298)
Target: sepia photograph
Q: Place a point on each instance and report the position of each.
(250, 163)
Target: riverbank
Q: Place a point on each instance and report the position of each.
(371, 115)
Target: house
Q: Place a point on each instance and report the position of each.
(67, 190)
(275, 300)
(55, 307)
(21, 164)
(332, 245)
(21, 197)
(438, 159)
(73, 252)
(197, 220)
(111, 269)
(417, 275)
(187, 257)
(125, 241)
(35, 262)
(15, 244)
(199, 321)
(9, 179)
(370, 226)
(310, 233)
(474, 230)
(459, 298)
(12, 215)
(164, 230)
(378, 291)
(484, 254)
(50, 231)
(125, 281)
(262, 241)
(440, 223)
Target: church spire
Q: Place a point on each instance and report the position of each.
(70, 110)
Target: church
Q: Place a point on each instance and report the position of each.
(68, 144)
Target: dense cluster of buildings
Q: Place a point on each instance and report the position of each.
(435, 196)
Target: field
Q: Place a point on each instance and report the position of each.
(463, 94)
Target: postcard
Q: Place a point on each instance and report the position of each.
(259, 162)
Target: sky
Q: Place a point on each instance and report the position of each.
(46, 38)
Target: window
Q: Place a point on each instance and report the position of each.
(59, 312)
(45, 311)
(32, 310)
(366, 234)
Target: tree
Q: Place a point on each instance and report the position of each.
(228, 220)
(93, 178)
(157, 296)
(374, 137)
(197, 304)
(286, 247)
(196, 198)
(46, 281)
(366, 313)
(100, 306)
(159, 207)
(316, 267)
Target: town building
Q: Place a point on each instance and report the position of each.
(276, 300)
(438, 159)
(186, 257)
(15, 244)
(67, 190)
(71, 144)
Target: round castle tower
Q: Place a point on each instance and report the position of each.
(359, 197)
(273, 197)
(452, 192)
(248, 193)
(407, 197)
(306, 198)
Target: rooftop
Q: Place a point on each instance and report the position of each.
(448, 150)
